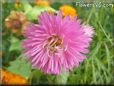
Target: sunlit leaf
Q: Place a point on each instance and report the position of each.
(15, 44)
(33, 12)
(62, 78)
(20, 66)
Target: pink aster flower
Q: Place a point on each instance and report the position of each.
(88, 30)
(56, 43)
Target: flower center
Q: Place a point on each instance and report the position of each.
(53, 44)
(54, 41)
(16, 24)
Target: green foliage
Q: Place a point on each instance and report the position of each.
(33, 12)
(21, 67)
(56, 5)
(15, 44)
(62, 78)
(36, 75)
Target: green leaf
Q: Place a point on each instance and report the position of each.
(36, 74)
(15, 44)
(26, 6)
(33, 13)
(75, 78)
(62, 78)
(21, 67)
